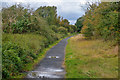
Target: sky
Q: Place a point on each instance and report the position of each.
(68, 9)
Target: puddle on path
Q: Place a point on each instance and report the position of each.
(47, 73)
(53, 56)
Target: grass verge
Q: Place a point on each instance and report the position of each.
(91, 58)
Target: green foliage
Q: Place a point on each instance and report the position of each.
(14, 59)
(64, 23)
(62, 30)
(54, 28)
(42, 21)
(79, 24)
(18, 50)
(49, 13)
(72, 29)
(15, 19)
(101, 21)
(30, 42)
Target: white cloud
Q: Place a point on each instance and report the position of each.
(13, 1)
(49, 1)
(70, 7)
(72, 22)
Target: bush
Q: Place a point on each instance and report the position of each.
(14, 59)
(54, 28)
(62, 30)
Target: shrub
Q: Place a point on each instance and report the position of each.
(62, 30)
(14, 59)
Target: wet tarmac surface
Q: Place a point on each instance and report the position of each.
(51, 65)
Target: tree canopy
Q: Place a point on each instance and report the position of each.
(101, 21)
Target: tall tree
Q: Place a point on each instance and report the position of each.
(49, 13)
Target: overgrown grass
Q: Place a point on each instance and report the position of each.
(91, 58)
(31, 42)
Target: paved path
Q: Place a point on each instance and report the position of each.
(51, 65)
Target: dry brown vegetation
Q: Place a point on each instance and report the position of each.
(91, 58)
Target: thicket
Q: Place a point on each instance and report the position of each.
(101, 21)
(14, 59)
(26, 33)
(79, 24)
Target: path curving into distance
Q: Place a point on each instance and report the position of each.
(51, 65)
